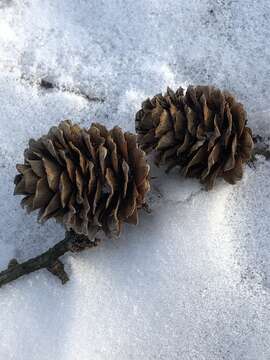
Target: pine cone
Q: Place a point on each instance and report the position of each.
(89, 180)
(203, 131)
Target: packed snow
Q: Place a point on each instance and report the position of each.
(192, 280)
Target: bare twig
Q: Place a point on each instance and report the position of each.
(48, 260)
(45, 84)
(49, 85)
(262, 151)
(261, 148)
(146, 208)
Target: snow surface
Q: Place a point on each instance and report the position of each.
(192, 281)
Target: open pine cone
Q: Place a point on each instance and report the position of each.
(203, 131)
(89, 180)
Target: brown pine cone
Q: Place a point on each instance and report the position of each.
(202, 130)
(89, 180)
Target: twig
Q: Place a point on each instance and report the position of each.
(260, 148)
(48, 260)
(262, 151)
(258, 151)
(45, 84)
(146, 208)
(49, 85)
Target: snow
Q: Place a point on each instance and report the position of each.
(192, 280)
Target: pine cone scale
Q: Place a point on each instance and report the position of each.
(43, 194)
(165, 124)
(30, 181)
(53, 172)
(37, 167)
(216, 134)
(235, 174)
(247, 144)
(53, 205)
(65, 188)
(230, 163)
(125, 169)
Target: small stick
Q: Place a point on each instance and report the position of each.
(260, 148)
(146, 208)
(48, 260)
(262, 151)
(45, 84)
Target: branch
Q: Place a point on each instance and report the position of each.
(48, 260)
(262, 151)
(260, 148)
(45, 84)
